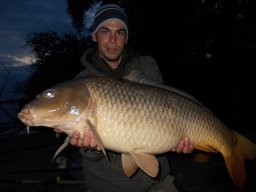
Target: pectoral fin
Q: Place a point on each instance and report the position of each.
(65, 144)
(93, 129)
(148, 163)
(129, 165)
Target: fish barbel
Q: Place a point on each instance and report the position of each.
(139, 121)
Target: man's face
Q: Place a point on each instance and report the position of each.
(111, 39)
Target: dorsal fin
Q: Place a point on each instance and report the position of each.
(139, 77)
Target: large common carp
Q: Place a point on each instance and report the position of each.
(138, 121)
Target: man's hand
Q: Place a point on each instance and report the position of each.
(88, 142)
(184, 146)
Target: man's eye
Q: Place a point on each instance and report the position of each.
(121, 33)
(104, 31)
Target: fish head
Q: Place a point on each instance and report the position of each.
(62, 106)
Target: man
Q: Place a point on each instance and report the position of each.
(112, 57)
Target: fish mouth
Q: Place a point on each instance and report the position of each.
(30, 119)
(25, 116)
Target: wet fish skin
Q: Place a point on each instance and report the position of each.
(138, 121)
(57, 108)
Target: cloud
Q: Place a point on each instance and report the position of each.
(14, 61)
(25, 60)
(19, 18)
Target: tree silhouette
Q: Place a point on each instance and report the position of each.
(76, 10)
(57, 58)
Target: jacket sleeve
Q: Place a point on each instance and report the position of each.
(92, 155)
(150, 68)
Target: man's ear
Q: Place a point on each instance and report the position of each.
(94, 37)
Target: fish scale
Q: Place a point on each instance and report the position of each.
(140, 100)
(139, 121)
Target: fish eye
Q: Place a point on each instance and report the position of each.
(50, 93)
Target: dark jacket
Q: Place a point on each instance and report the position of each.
(131, 61)
(108, 175)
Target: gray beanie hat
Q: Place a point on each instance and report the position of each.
(109, 12)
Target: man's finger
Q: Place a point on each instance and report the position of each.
(93, 142)
(187, 143)
(74, 138)
(79, 143)
(191, 147)
(180, 146)
(87, 138)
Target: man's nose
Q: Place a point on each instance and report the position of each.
(113, 38)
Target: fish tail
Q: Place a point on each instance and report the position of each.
(244, 149)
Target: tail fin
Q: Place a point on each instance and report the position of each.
(244, 149)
